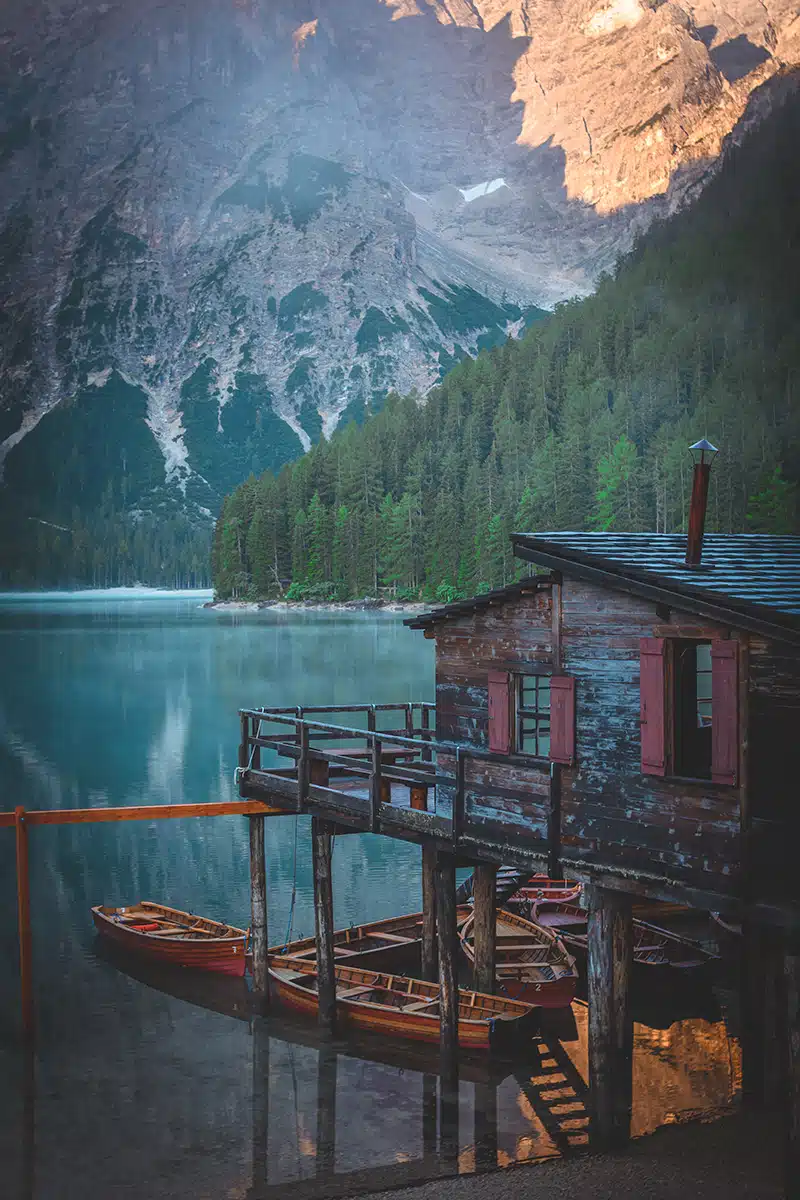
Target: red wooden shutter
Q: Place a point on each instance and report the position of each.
(499, 712)
(724, 712)
(651, 700)
(562, 719)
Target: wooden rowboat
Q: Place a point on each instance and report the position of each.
(652, 947)
(172, 936)
(531, 963)
(402, 1007)
(540, 887)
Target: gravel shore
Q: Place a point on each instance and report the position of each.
(736, 1158)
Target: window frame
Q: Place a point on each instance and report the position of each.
(523, 712)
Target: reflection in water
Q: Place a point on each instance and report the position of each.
(165, 1084)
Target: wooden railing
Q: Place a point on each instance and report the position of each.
(357, 781)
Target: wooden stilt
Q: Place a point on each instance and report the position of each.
(762, 1008)
(24, 922)
(448, 961)
(323, 921)
(485, 926)
(485, 1126)
(610, 959)
(327, 1070)
(259, 939)
(792, 1043)
(260, 1102)
(430, 951)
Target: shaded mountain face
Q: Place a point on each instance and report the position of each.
(226, 225)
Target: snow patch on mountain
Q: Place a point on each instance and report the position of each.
(482, 189)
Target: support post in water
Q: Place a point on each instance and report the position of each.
(323, 922)
(448, 961)
(327, 1067)
(792, 993)
(610, 961)
(485, 927)
(259, 939)
(430, 951)
(24, 922)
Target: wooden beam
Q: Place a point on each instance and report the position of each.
(430, 949)
(485, 927)
(610, 961)
(259, 938)
(24, 922)
(142, 812)
(792, 993)
(448, 961)
(323, 921)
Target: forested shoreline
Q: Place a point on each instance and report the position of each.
(583, 423)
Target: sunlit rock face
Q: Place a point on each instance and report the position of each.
(228, 224)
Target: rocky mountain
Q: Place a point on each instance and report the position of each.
(227, 225)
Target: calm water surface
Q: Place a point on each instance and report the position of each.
(161, 1086)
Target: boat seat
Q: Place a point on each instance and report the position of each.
(419, 1005)
(349, 993)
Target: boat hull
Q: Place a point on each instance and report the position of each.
(224, 955)
(532, 964)
(505, 1028)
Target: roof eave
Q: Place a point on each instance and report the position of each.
(548, 554)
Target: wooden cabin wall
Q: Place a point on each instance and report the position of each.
(502, 638)
(612, 815)
(610, 812)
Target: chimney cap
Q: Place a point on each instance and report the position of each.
(703, 451)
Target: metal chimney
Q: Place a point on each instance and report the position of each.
(702, 453)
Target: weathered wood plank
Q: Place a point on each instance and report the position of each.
(485, 901)
(259, 937)
(448, 961)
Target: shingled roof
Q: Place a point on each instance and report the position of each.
(459, 608)
(750, 580)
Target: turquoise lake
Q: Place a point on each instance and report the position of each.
(140, 1089)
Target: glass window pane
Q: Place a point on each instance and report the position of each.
(544, 695)
(544, 744)
(703, 656)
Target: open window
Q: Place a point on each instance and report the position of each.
(689, 698)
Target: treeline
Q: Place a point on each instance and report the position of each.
(583, 423)
(105, 548)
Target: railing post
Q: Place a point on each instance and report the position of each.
(376, 784)
(303, 766)
(425, 721)
(244, 745)
(410, 720)
(255, 757)
(24, 921)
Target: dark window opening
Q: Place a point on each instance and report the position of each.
(533, 715)
(692, 710)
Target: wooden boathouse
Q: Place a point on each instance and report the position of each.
(628, 715)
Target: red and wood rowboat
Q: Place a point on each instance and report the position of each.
(531, 963)
(652, 947)
(398, 1006)
(392, 944)
(171, 936)
(539, 887)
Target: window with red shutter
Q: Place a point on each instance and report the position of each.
(562, 719)
(499, 712)
(724, 712)
(652, 707)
